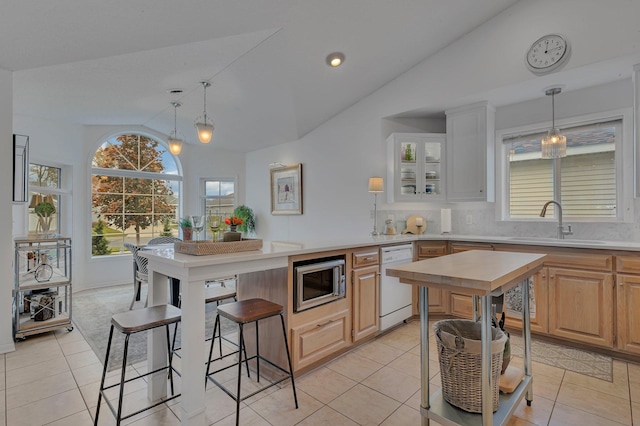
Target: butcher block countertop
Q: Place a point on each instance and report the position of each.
(477, 272)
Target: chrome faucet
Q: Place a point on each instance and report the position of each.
(561, 231)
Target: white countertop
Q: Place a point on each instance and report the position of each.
(279, 249)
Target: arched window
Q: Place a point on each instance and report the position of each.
(135, 188)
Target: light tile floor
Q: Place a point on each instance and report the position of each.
(53, 379)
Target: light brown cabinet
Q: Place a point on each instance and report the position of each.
(461, 305)
(628, 303)
(365, 277)
(581, 305)
(438, 299)
(318, 339)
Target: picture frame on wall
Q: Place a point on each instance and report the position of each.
(286, 190)
(20, 168)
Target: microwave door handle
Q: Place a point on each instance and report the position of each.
(342, 286)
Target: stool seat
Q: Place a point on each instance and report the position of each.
(146, 319)
(249, 310)
(217, 293)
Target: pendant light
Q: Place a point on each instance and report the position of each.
(175, 141)
(554, 145)
(204, 126)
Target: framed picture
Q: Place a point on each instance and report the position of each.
(20, 168)
(286, 190)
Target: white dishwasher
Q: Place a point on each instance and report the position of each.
(395, 298)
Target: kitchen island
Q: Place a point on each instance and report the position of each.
(193, 271)
(481, 274)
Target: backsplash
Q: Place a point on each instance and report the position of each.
(483, 222)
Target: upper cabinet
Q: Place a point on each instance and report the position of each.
(416, 166)
(470, 134)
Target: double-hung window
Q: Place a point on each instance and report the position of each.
(45, 190)
(219, 200)
(589, 182)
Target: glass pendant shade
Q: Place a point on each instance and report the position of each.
(205, 130)
(175, 144)
(204, 126)
(554, 145)
(175, 140)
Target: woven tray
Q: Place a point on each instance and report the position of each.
(200, 248)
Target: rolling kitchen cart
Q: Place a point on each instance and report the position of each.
(42, 285)
(481, 274)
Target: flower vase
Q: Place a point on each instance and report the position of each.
(232, 234)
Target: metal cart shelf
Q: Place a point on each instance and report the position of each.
(42, 285)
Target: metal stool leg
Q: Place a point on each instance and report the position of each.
(170, 355)
(122, 379)
(240, 373)
(286, 346)
(257, 352)
(104, 375)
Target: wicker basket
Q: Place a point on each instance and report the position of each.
(201, 248)
(460, 355)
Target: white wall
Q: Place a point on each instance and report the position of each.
(340, 155)
(6, 175)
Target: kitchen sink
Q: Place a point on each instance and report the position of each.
(555, 240)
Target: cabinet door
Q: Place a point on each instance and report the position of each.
(469, 131)
(461, 305)
(416, 166)
(538, 304)
(316, 340)
(628, 313)
(438, 299)
(581, 306)
(365, 302)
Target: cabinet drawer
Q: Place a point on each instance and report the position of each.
(365, 257)
(430, 250)
(319, 339)
(628, 264)
(593, 262)
(460, 247)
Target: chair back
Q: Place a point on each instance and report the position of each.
(163, 240)
(141, 262)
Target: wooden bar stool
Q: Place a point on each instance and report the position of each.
(129, 323)
(244, 312)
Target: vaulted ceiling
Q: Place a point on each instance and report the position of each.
(97, 62)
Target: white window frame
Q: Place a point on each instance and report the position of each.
(624, 147)
(179, 177)
(204, 198)
(63, 193)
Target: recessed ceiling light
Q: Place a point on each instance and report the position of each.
(335, 59)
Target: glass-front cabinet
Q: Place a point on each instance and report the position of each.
(417, 169)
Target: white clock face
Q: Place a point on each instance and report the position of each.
(547, 53)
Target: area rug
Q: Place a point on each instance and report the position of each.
(92, 312)
(579, 361)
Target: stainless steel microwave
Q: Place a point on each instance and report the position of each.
(317, 282)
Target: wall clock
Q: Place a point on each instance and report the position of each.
(548, 53)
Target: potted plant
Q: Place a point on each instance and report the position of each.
(248, 224)
(232, 234)
(45, 211)
(186, 227)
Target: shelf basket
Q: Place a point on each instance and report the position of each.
(201, 248)
(460, 356)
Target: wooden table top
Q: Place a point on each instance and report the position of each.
(480, 272)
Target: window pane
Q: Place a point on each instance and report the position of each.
(45, 176)
(531, 179)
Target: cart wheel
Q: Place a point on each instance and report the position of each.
(529, 403)
(69, 328)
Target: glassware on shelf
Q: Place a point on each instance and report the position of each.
(198, 225)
